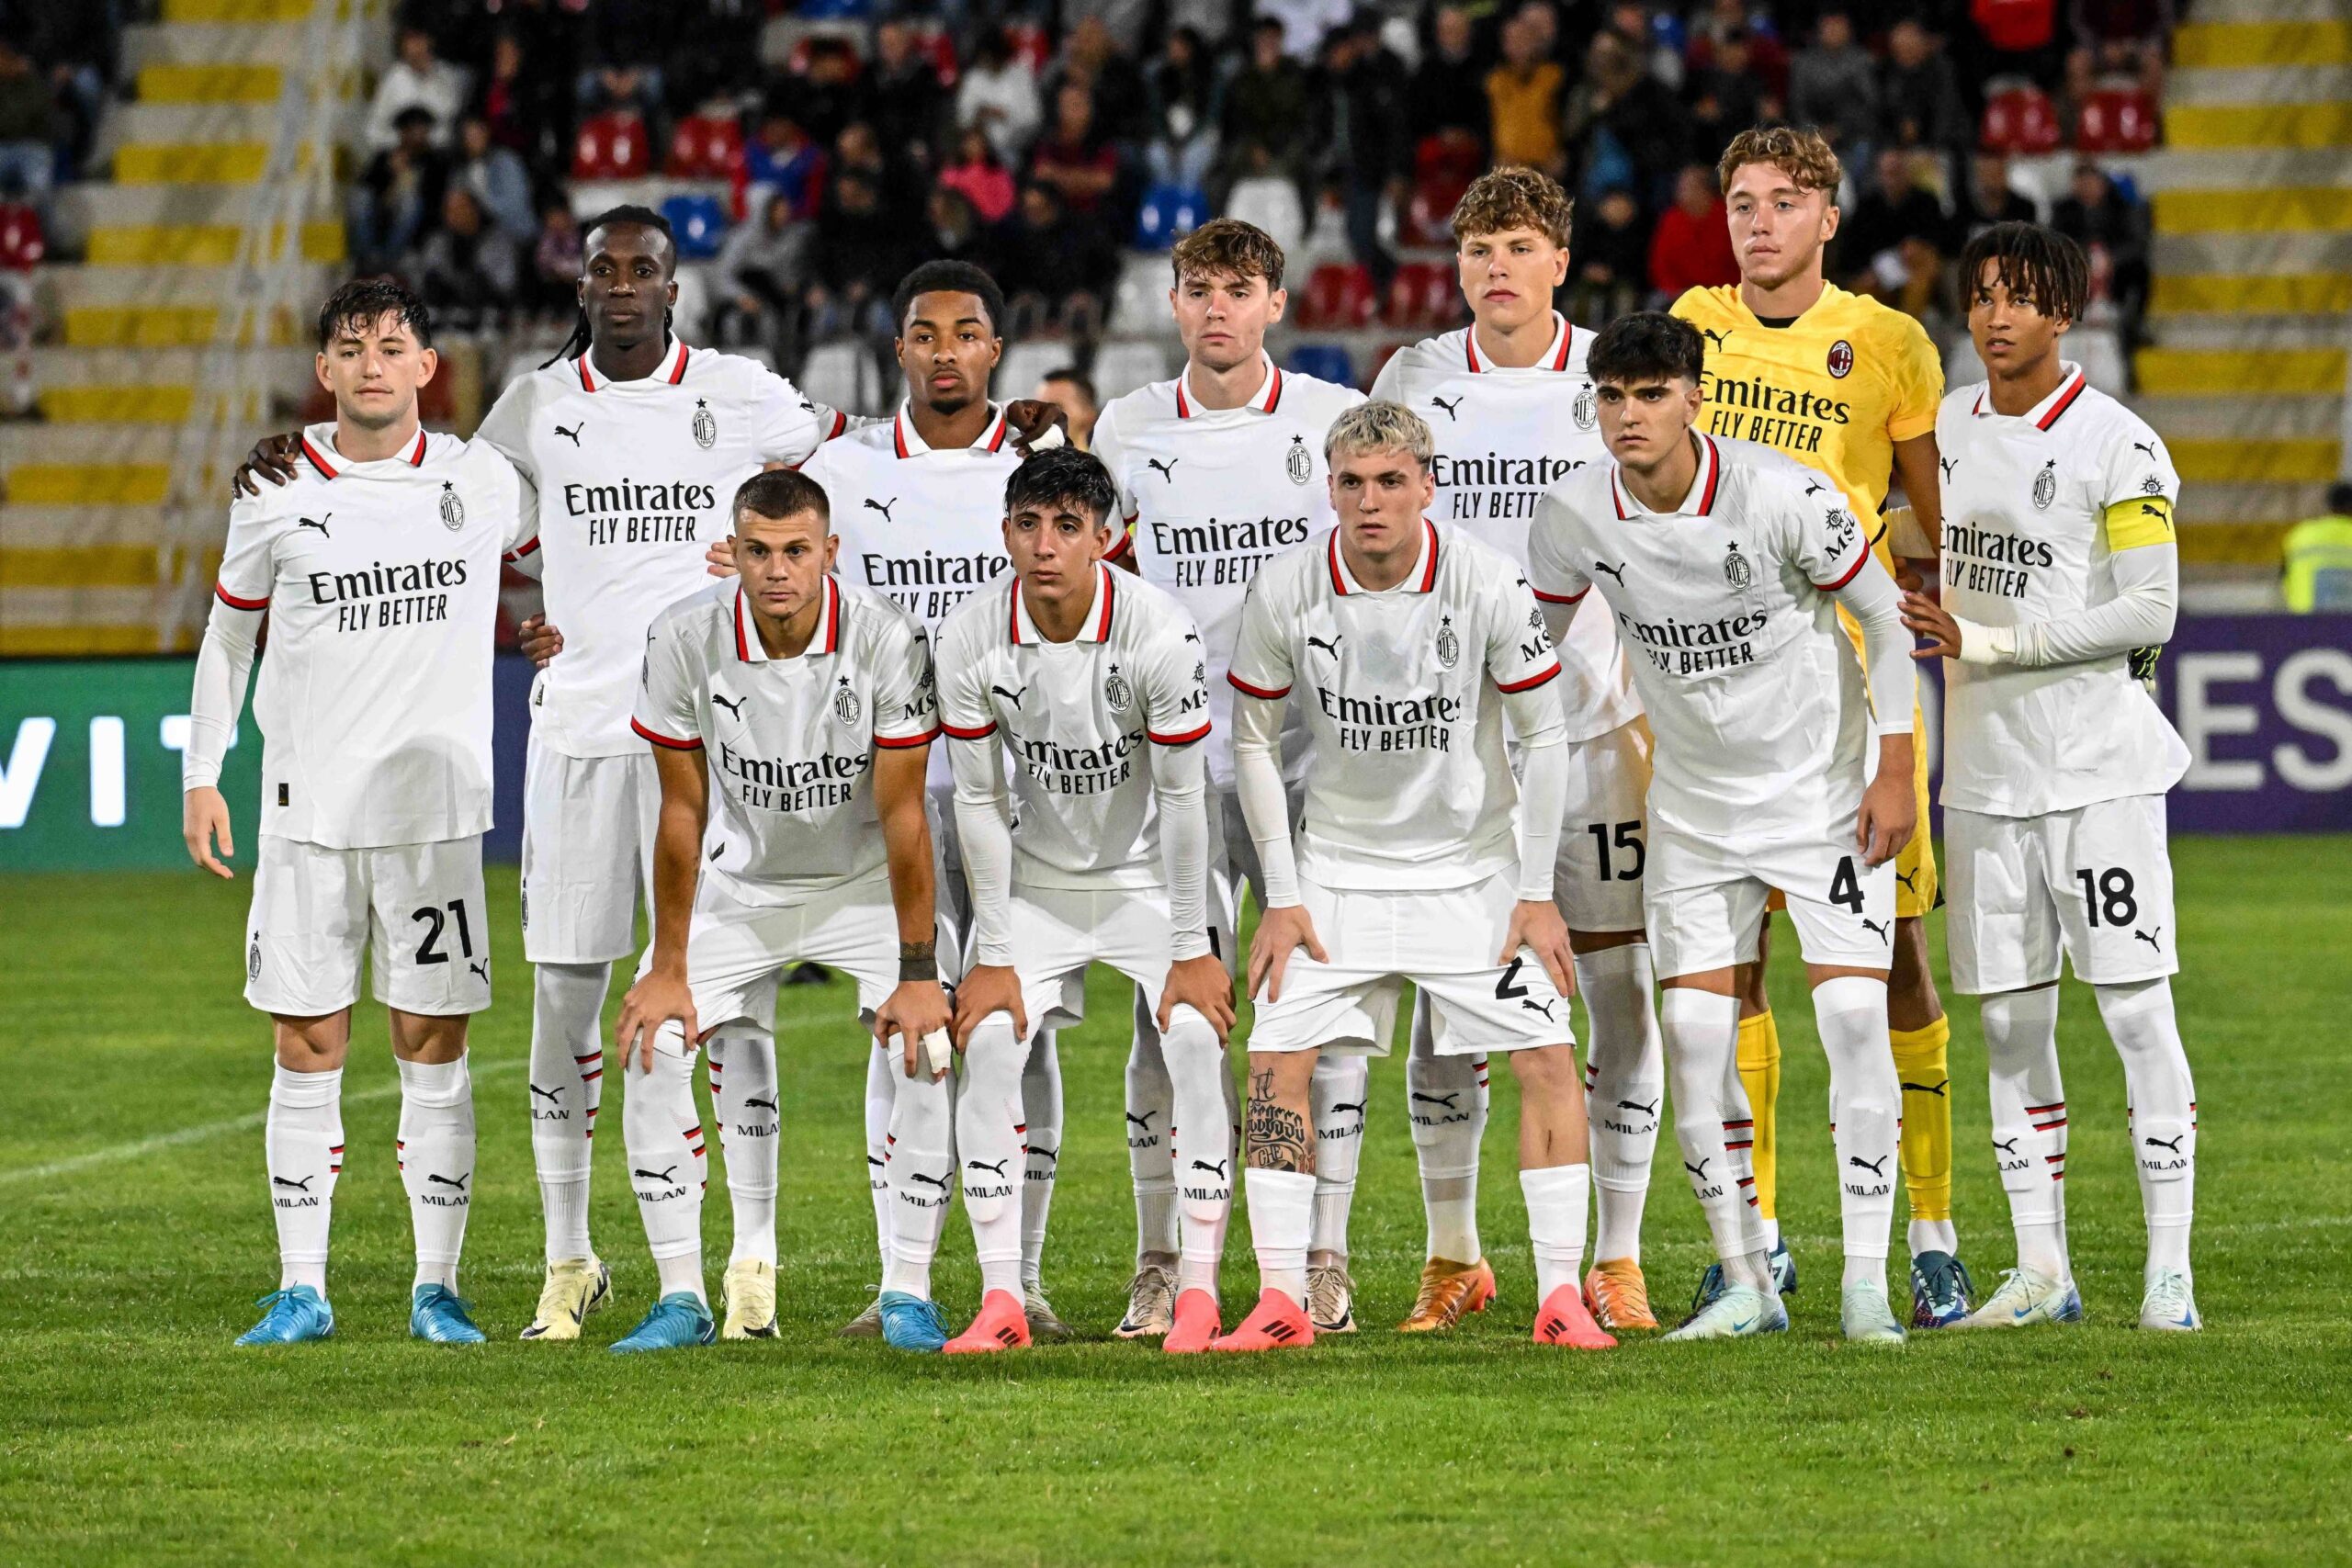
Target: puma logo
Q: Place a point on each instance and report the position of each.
(573, 435)
(2149, 510)
(1143, 1120)
(1008, 696)
(938, 1181)
(997, 1169)
(717, 851)
(2151, 940)
(1699, 1171)
(1331, 648)
(1813, 487)
(1531, 1005)
(318, 523)
(2173, 1143)
(547, 1093)
(482, 970)
(1051, 1157)
(1216, 1170)
(2007, 1145)
(1617, 571)
(1905, 878)
(1166, 471)
(1875, 1166)
(1879, 930)
(2145, 446)
(1449, 407)
(1947, 465)
(1935, 1089)
(1717, 338)
(1357, 1107)
(1649, 1109)
(301, 1186)
(459, 1182)
(883, 507)
(734, 705)
(759, 1105)
(668, 1175)
(1192, 637)
(1445, 1100)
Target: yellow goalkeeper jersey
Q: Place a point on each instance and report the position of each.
(1836, 389)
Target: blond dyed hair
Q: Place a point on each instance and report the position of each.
(1514, 197)
(1226, 247)
(1379, 427)
(1802, 154)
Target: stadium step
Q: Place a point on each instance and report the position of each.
(146, 44)
(2296, 293)
(200, 244)
(241, 11)
(208, 83)
(2229, 211)
(2260, 125)
(2320, 40)
(2252, 417)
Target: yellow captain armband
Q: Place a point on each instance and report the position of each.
(2139, 519)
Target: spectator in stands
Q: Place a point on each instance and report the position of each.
(1070, 391)
(2127, 37)
(626, 88)
(416, 79)
(763, 266)
(1726, 95)
(1625, 127)
(782, 158)
(1919, 93)
(955, 233)
(1092, 60)
(905, 94)
(1523, 97)
(862, 250)
(1056, 262)
(1767, 56)
(997, 93)
(1658, 58)
(1076, 163)
(1891, 243)
(1989, 199)
(1183, 98)
(555, 262)
(1833, 87)
(1609, 262)
(831, 95)
(857, 151)
(398, 194)
(979, 177)
(469, 271)
(1304, 23)
(2317, 575)
(1449, 85)
(1269, 109)
(2113, 227)
(496, 179)
(1692, 248)
(2013, 38)
(1363, 136)
(29, 124)
(1122, 23)
(525, 114)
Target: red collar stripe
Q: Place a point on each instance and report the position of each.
(982, 733)
(1184, 740)
(1122, 544)
(664, 740)
(907, 742)
(1429, 566)
(1274, 400)
(1617, 498)
(1567, 331)
(679, 373)
(325, 470)
(1559, 360)
(1860, 558)
(1715, 476)
(841, 423)
(996, 437)
(1339, 583)
(236, 603)
(899, 434)
(1110, 599)
(1979, 410)
(416, 458)
(1260, 692)
(832, 617)
(2065, 401)
(1576, 598)
(1274, 393)
(519, 551)
(1184, 404)
(1531, 682)
(587, 383)
(1470, 348)
(742, 645)
(1014, 628)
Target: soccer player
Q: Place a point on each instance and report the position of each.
(2059, 568)
(918, 508)
(1071, 391)
(1844, 385)
(1511, 409)
(1419, 858)
(380, 560)
(1724, 564)
(809, 708)
(1089, 689)
(1218, 471)
(636, 442)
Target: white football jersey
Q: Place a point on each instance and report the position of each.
(1504, 436)
(922, 526)
(381, 580)
(636, 480)
(1074, 718)
(2027, 538)
(1211, 495)
(1407, 785)
(789, 742)
(1754, 693)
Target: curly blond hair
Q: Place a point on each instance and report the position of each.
(1226, 247)
(1514, 197)
(1802, 155)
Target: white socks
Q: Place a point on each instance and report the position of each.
(922, 1174)
(1865, 1116)
(1281, 1219)
(662, 1130)
(1151, 1153)
(1335, 1102)
(436, 1149)
(1713, 1126)
(1624, 1091)
(303, 1146)
(988, 1141)
(2028, 1105)
(2162, 1116)
(1041, 1136)
(1555, 1205)
(743, 1099)
(567, 1085)
(1445, 1101)
(1203, 1146)
(882, 1071)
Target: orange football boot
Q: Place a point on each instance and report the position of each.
(1448, 1290)
(1001, 1326)
(1618, 1297)
(1197, 1327)
(1276, 1322)
(1564, 1321)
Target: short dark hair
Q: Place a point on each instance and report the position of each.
(1649, 345)
(1076, 377)
(779, 493)
(949, 278)
(1065, 474)
(2030, 260)
(641, 217)
(364, 302)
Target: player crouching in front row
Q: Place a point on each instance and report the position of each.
(1069, 671)
(1417, 858)
(809, 708)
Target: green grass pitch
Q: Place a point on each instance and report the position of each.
(138, 1233)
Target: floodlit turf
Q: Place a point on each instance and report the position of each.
(138, 1232)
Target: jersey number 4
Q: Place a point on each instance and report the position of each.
(429, 951)
(1844, 886)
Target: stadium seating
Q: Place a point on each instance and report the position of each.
(706, 146)
(2019, 119)
(698, 223)
(1325, 361)
(22, 243)
(1272, 203)
(612, 146)
(1339, 297)
(1167, 214)
(1421, 296)
(1121, 367)
(2116, 120)
(842, 375)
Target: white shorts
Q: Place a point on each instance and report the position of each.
(587, 853)
(2096, 881)
(1058, 932)
(1704, 902)
(1445, 941)
(418, 907)
(1598, 878)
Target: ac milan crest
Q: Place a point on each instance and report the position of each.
(705, 425)
(1841, 358)
(453, 511)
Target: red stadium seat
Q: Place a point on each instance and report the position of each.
(705, 147)
(1421, 295)
(2116, 120)
(939, 48)
(611, 147)
(1339, 296)
(22, 243)
(2021, 120)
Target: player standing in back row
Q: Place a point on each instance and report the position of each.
(1848, 386)
(2059, 568)
(1218, 472)
(1512, 411)
(379, 565)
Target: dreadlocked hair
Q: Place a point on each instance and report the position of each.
(642, 217)
(2031, 261)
